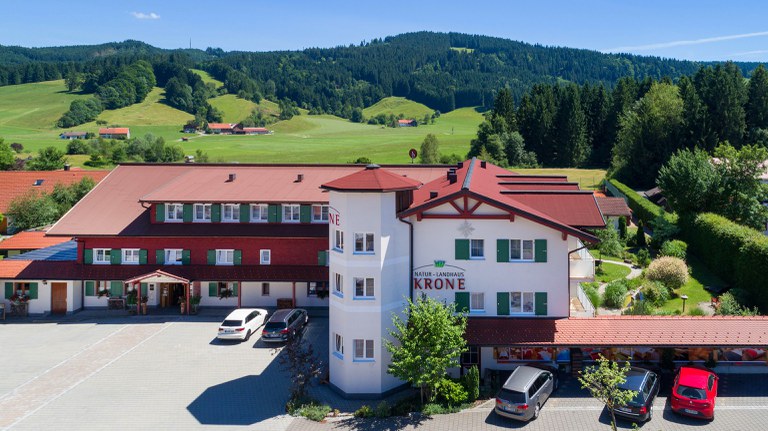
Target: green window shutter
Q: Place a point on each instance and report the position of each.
(90, 288)
(541, 250)
(32, 292)
(541, 303)
(502, 303)
(462, 249)
(234, 289)
(305, 214)
(142, 257)
(160, 213)
(237, 257)
(186, 257)
(462, 302)
(211, 257)
(8, 289)
(245, 213)
(115, 256)
(213, 289)
(144, 289)
(322, 257)
(160, 257)
(216, 213)
(88, 256)
(502, 250)
(116, 288)
(274, 213)
(187, 213)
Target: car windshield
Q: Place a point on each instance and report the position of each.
(274, 326)
(512, 397)
(232, 323)
(692, 393)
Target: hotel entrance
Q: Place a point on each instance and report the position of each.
(170, 293)
(162, 290)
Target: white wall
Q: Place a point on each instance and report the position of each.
(74, 295)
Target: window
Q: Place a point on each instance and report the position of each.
(363, 243)
(265, 257)
(102, 255)
(174, 212)
(173, 256)
(259, 213)
(319, 213)
(202, 212)
(291, 213)
(521, 302)
(338, 346)
(131, 256)
(338, 285)
(338, 240)
(476, 301)
(225, 257)
(471, 356)
(230, 212)
(521, 249)
(364, 288)
(264, 289)
(226, 286)
(476, 249)
(363, 350)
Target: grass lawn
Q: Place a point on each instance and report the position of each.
(207, 77)
(611, 271)
(700, 277)
(398, 105)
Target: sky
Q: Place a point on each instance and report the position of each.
(693, 30)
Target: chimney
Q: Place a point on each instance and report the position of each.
(66, 166)
(432, 195)
(460, 165)
(483, 163)
(452, 177)
(232, 178)
(299, 178)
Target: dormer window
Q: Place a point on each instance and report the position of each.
(174, 212)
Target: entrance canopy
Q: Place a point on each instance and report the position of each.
(610, 331)
(157, 276)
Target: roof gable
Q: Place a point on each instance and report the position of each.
(373, 179)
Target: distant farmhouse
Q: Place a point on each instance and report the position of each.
(236, 129)
(115, 133)
(407, 123)
(73, 135)
(240, 130)
(221, 128)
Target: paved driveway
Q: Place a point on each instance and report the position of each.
(140, 373)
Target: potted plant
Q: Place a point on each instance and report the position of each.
(19, 298)
(226, 293)
(194, 301)
(144, 300)
(182, 304)
(131, 298)
(102, 292)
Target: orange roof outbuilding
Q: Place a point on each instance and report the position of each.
(31, 240)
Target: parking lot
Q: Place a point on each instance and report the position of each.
(170, 372)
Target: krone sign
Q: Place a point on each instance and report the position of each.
(438, 276)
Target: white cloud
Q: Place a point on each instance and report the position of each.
(749, 53)
(142, 15)
(672, 44)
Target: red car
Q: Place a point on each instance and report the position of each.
(694, 392)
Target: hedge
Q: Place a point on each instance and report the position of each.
(736, 253)
(642, 208)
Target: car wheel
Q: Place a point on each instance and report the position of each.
(248, 335)
(650, 413)
(536, 411)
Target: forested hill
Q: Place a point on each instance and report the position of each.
(442, 70)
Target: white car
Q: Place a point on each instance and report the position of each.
(241, 324)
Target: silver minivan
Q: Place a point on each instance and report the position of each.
(524, 392)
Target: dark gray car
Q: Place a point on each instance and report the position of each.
(284, 324)
(646, 384)
(524, 392)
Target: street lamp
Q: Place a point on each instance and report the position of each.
(683, 297)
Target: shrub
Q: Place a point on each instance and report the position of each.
(404, 406)
(314, 412)
(623, 228)
(674, 248)
(364, 412)
(643, 257)
(696, 311)
(669, 270)
(78, 146)
(451, 392)
(433, 409)
(640, 235)
(472, 383)
(641, 207)
(655, 292)
(663, 230)
(640, 308)
(729, 306)
(592, 292)
(382, 409)
(615, 294)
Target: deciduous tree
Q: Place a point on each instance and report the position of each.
(430, 150)
(603, 381)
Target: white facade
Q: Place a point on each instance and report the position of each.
(42, 304)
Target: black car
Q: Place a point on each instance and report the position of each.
(646, 384)
(285, 324)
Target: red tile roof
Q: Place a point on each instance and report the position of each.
(653, 331)
(31, 240)
(114, 131)
(17, 183)
(220, 126)
(47, 270)
(115, 207)
(613, 206)
(255, 129)
(373, 179)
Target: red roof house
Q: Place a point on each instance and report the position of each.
(115, 133)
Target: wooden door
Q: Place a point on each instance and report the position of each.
(59, 298)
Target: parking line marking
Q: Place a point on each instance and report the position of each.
(74, 385)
